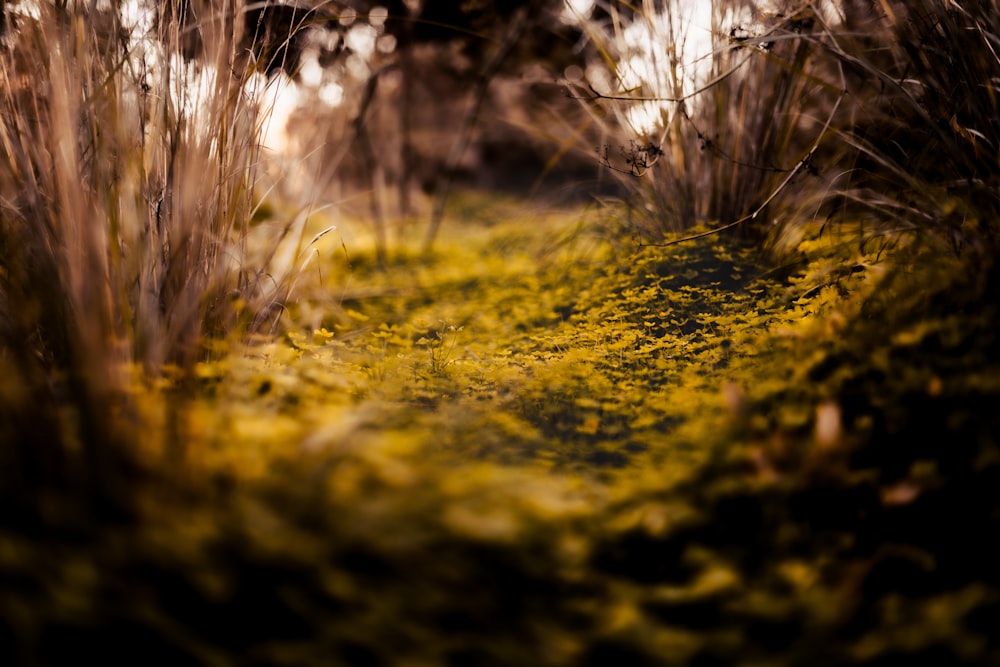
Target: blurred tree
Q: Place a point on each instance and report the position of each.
(438, 67)
(276, 33)
(472, 43)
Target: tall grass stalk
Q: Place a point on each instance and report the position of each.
(734, 118)
(923, 153)
(127, 174)
(882, 116)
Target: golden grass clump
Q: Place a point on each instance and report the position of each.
(127, 176)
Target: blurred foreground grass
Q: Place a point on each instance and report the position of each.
(543, 446)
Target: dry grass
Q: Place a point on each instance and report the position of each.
(126, 191)
(883, 114)
(923, 147)
(736, 124)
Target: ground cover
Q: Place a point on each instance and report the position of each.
(535, 341)
(546, 445)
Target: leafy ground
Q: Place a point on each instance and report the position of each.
(531, 343)
(544, 445)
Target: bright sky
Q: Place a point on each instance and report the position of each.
(645, 63)
(651, 44)
(648, 44)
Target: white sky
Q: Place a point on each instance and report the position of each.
(645, 62)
